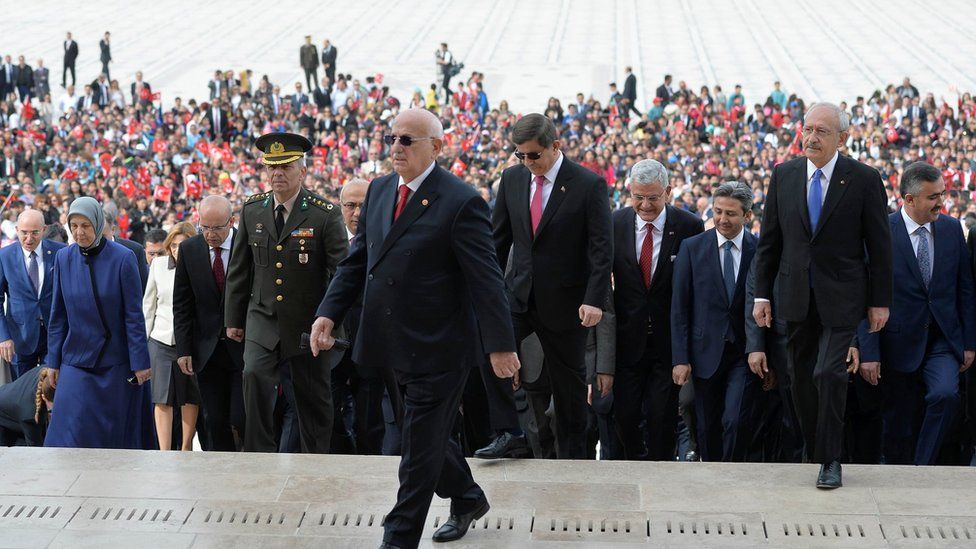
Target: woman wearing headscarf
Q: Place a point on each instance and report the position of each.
(97, 341)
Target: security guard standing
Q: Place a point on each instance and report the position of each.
(286, 251)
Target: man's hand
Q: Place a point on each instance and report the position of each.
(770, 381)
(7, 350)
(590, 316)
(143, 376)
(967, 360)
(877, 318)
(871, 372)
(604, 383)
(505, 365)
(762, 311)
(681, 373)
(853, 360)
(321, 337)
(186, 364)
(757, 363)
(237, 334)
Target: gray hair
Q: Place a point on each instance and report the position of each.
(736, 190)
(354, 182)
(843, 119)
(649, 171)
(917, 173)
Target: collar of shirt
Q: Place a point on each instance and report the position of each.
(225, 245)
(658, 222)
(736, 240)
(38, 250)
(911, 225)
(349, 234)
(289, 204)
(554, 170)
(828, 170)
(415, 184)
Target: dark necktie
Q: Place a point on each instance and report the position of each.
(33, 272)
(218, 271)
(647, 255)
(924, 259)
(728, 271)
(280, 219)
(402, 197)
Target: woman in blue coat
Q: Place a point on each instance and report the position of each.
(97, 341)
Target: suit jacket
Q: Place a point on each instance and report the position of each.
(329, 57)
(702, 318)
(630, 88)
(756, 336)
(70, 52)
(134, 95)
(198, 308)
(433, 295)
(948, 301)
(106, 51)
(225, 124)
(25, 310)
(571, 253)
(17, 407)
(24, 76)
(846, 262)
(664, 94)
(101, 98)
(638, 307)
(141, 262)
(4, 161)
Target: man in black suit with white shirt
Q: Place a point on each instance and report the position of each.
(70, 56)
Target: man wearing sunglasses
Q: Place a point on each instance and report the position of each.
(433, 305)
(553, 216)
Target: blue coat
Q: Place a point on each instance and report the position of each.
(24, 307)
(701, 315)
(76, 334)
(432, 290)
(949, 299)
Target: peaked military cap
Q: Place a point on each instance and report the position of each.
(282, 148)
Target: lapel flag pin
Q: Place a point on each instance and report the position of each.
(425, 202)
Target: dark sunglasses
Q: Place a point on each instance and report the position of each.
(405, 140)
(530, 156)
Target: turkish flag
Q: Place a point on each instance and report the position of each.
(320, 151)
(330, 141)
(203, 147)
(78, 132)
(162, 193)
(159, 146)
(156, 96)
(123, 220)
(69, 175)
(228, 185)
(458, 167)
(227, 156)
(27, 112)
(193, 188)
(127, 187)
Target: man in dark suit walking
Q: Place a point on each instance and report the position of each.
(26, 275)
(70, 56)
(433, 306)
(630, 92)
(553, 217)
(646, 240)
(825, 234)
(931, 335)
(664, 92)
(202, 344)
(105, 55)
(708, 325)
(308, 56)
(219, 120)
(329, 54)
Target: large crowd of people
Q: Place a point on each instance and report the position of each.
(149, 161)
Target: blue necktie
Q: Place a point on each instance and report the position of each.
(34, 273)
(815, 200)
(728, 271)
(924, 259)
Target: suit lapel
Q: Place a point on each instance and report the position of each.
(559, 190)
(419, 203)
(202, 253)
(835, 191)
(523, 186)
(48, 254)
(630, 244)
(901, 240)
(714, 263)
(800, 194)
(667, 246)
(748, 251)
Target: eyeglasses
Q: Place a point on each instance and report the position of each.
(352, 205)
(529, 155)
(405, 140)
(208, 229)
(650, 199)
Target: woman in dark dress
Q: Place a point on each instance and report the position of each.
(97, 341)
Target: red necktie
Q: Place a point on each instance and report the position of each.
(218, 270)
(535, 209)
(403, 193)
(647, 255)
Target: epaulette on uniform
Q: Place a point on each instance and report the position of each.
(257, 197)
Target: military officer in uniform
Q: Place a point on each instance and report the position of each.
(289, 243)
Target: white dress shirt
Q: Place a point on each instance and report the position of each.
(224, 251)
(549, 183)
(736, 252)
(40, 266)
(912, 226)
(827, 170)
(641, 227)
(415, 183)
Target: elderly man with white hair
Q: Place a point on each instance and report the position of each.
(646, 239)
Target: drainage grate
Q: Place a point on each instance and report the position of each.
(131, 515)
(245, 517)
(929, 532)
(592, 526)
(696, 529)
(329, 520)
(841, 530)
(37, 511)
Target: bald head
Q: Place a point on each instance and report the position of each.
(216, 219)
(215, 204)
(356, 185)
(426, 132)
(30, 229)
(422, 118)
(351, 197)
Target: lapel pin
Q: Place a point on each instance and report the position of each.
(670, 233)
(842, 182)
(563, 189)
(425, 202)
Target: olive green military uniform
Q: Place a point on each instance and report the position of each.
(274, 283)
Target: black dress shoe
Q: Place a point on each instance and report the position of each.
(505, 445)
(829, 476)
(457, 525)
